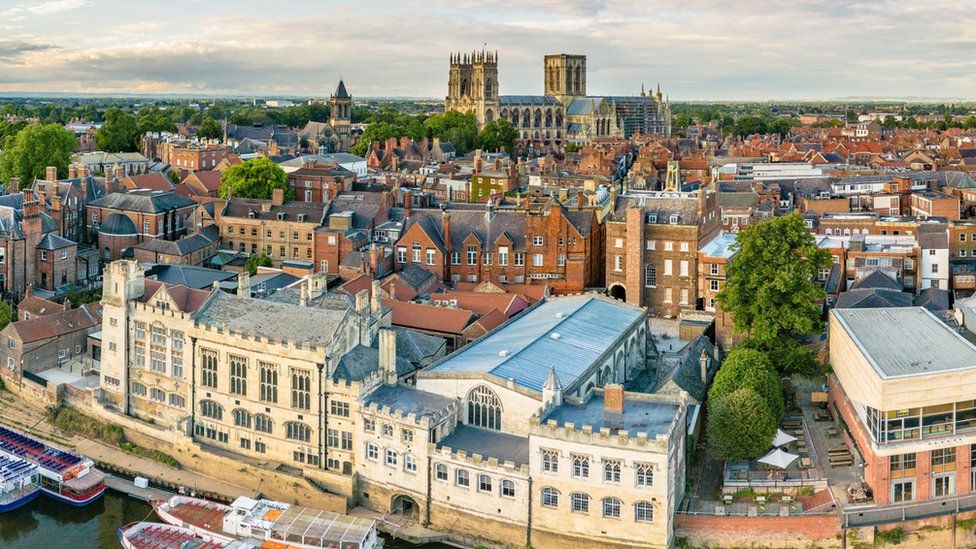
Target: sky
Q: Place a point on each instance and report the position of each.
(695, 49)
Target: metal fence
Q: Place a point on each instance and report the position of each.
(851, 517)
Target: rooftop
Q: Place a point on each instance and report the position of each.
(311, 325)
(639, 415)
(906, 341)
(487, 444)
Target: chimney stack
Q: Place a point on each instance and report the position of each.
(387, 358)
(579, 200)
(51, 173)
(375, 298)
(277, 197)
(704, 361)
(72, 171)
(14, 186)
(407, 204)
(303, 295)
(613, 398)
(244, 284)
(362, 302)
(67, 304)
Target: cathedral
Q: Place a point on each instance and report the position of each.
(564, 114)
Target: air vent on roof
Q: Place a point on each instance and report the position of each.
(559, 315)
(554, 336)
(503, 353)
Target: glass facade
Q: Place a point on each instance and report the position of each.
(919, 423)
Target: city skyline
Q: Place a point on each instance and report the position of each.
(387, 49)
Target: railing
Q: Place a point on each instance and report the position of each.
(852, 517)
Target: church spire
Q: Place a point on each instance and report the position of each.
(552, 390)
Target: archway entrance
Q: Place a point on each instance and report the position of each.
(617, 291)
(405, 506)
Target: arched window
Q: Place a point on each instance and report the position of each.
(550, 461)
(550, 497)
(440, 471)
(211, 409)
(508, 488)
(643, 511)
(263, 423)
(650, 276)
(611, 508)
(409, 463)
(462, 478)
(242, 418)
(484, 408)
(581, 502)
(298, 431)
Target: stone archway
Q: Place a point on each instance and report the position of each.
(617, 291)
(405, 506)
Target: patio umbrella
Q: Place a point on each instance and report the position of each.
(782, 438)
(778, 458)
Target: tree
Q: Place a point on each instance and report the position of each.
(210, 129)
(571, 148)
(749, 368)
(459, 129)
(119, 133)
(378, 132)
(6, 314)
(254, 179)
(741, 424)
(770, 289)
(496, 135)
(153, 120)
(256, 261)
(27, 154)
(749, 125)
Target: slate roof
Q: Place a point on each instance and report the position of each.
(362, 361)
(193, 277)
(144, 201)
(686, 376)
(876, 279)
(341, 92)
(639, 416)
(527, 100)
(118, 224)
(872, 298)
(57, 324)
(487, 444)
(243, 207)
(183, 246)
(933, 299)
(408, 400)
(52, 241)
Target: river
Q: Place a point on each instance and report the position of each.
(45, 523)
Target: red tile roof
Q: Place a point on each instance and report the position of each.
(429, 317)
(187, 299)
(153, 181)
(57, 324)
(37, 306)
(483, 303)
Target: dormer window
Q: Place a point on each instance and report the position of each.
(652, 218)
(301, 218)
(673, 220)
(250, 214)
(281, 216)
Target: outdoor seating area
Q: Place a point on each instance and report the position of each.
(790, 464)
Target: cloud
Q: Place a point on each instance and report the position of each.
(56, 6)
(11, 49)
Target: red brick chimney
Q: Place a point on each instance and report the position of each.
(51, 173)
(579, 200)
(407, 204)
(613, 398)
(14, 185)
(278, 197)
(374, 260)
(447, 230)
(72, 171)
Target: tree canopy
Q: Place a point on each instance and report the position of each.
(741, 424)
(6, 314)
(30, 151)
(119, 133)
(771, 290)
(496, 135)
(210, 129)
(459, 129)
(255, 178)
(749, 368)
(256, 261)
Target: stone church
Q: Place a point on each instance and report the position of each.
(564, 114)
(336, 135)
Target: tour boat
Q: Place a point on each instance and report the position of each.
(272, 522)
(19, 483)
(152, 535)
(66, 477)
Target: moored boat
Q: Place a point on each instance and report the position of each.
(153, 535)
(67, 477)
(19, 483)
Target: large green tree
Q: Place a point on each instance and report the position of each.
(6, 314)
(152, 119)
(210, 129)
(749, 368)
(27, 154)
(741, 424)
(119, 133)
(771, 290)
(497, 135)
(459, 129)
(255, 178)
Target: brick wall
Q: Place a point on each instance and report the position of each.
(726, 531)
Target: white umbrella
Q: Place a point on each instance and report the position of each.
(778, 458)
(782, 438)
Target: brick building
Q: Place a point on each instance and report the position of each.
(45, 342)
(190, 156)
(927, 204)
(652, 244)
(123, 219)
(193, 249)
(320, 183)
(30, 248)
(552, 244)
(284, 230)
(350, 221)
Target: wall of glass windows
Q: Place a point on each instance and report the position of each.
(919, 423)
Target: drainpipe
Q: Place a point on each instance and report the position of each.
(323, 418)
(193, 387)
(427, 503)
(528, 525)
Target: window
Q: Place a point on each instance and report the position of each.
(211, 409)
(339, 408)
(683, 268)
(931, 251)
(387, 430)
(684, 296)
(369, 425)
(260, 447)
(902, 491)
(242, 418)
(268, 390)
(902, 465)
(462, 478)
(550, 497)
(406, 435)
(581, 502)
(943, 485)
(158, 395)
(537, 260)
(301, 390)
(238, 375)
(581, 466)
(503, 256)
(401, 255)
(618, 263)
(455, 258)
(668, 269)
(472, 255)
(484, 408)
(484, 483)
(140, 331)
(550, 461)
(208, 368)
(668, 246)
(486, 257)
(372, 452)
(157, 361)
(295, 430)
(644, 474)
(177, 340)
(429, 256)
(611, 470)
(176, 401)
(409, 463)
(643, 511)
(263, 423)
(650, 276)
(139, 389)
(667, 295)
(520, 259)
(943, 459)
(508, 488)
(392, 457)
(713, 285)
(611, 508)
(538, 241)
(714, 268)
(651, 245)
(440, 472)
(935, 266)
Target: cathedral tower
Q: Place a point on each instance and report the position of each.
(340, 116)
(473, 85)
(565, 77)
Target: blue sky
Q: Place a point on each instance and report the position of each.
(696, 49)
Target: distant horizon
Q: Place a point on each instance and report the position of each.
(820, 50)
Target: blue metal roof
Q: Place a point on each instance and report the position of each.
(12, 468)
(527, 348)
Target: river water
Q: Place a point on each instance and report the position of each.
(47, 524)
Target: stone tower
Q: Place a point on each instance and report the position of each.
(565, 76)
(473, 85)
(340, 116)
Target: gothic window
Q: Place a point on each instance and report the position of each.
(489, 116)
(484, 408)
(581, 466)
(550, 497)
(269, 382)
(611, 470)
(549, 118)
(242, 418)
(238, 375)
(211, 409)
(208, 368)
(526, 118)
(301, 390)
(263, 423)
(538, 118)
(298, 431)
(550, 461)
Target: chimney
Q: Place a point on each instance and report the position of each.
(55, 202)
(704, 361)
(613, 398)
(72, 171)
(303, 295)
(477, 161)
(387, 358)
(83, 171)
(407, 204)
(67, 304)
(30, 289)
(119, 172)
(51, 173)
(14, 186)
(579, 200)
(447, 229)
(393, 290)
(244, 284)
(375, 302)
(277, 197)
(362, 302)
(374, 260)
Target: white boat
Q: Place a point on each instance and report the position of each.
(280, 523)
(153, 535)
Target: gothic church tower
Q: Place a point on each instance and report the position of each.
(473, 85)
(340, 117)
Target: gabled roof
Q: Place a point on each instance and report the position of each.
(876, 279)
(52, 242)
(429, 317)
(57, 324)
(144, 201)
(152, 181)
